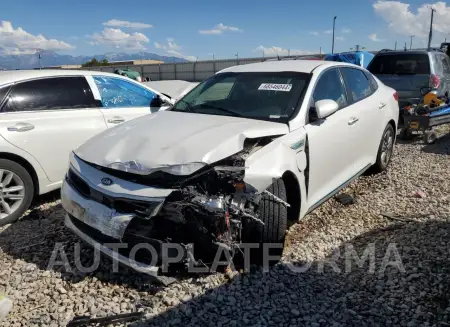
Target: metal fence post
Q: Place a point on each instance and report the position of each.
(193, 70)
(214, 66)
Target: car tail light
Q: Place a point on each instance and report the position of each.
(396, 96)
(435, 81)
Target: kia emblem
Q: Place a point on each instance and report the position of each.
(106, 181)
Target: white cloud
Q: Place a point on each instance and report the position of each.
(220, 28)
(373, 37)
(315, 33)
(124, 23)
(328, 31)
(274, 51)
(114, 37)
(403, 21)
(18, 41)
(339, 38)
(171, 48)
(346, 30)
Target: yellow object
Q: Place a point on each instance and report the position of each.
(429, 97)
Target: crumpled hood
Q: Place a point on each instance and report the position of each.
(170, 138)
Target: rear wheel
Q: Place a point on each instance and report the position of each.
(16, 191)
(385, 150)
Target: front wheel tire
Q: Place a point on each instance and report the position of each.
(16, 191)
(385, 150)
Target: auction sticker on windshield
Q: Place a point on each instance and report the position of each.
(275, 87)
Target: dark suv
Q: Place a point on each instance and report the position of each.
(407, 71)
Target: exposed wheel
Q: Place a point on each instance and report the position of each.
(16, 191)
(273, 214)
(429, 137)
(385, 149)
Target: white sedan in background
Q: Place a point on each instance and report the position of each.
(45, 114)
(233, 160)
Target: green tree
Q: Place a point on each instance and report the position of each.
(94, 62)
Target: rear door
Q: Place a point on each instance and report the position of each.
(405, 72)
(123, 99)
(48, 118)
(367, 106)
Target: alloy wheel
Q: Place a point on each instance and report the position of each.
(12, 192)
(387, 147)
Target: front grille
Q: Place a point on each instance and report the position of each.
(141, 209)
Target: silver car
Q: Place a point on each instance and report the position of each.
(409, 71)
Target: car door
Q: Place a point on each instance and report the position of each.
(123, 99)
(331, 140)
(48, 118)
(366, 107)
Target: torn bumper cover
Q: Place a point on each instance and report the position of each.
(210, 209)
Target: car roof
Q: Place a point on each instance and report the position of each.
(415, 51)
(11, 76)
(301, 66)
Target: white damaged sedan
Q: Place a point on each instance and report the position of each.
(233, 160)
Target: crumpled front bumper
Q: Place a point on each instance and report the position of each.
(101, 225)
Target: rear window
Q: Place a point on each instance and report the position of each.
(398, 64)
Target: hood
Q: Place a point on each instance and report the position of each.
(173, 138)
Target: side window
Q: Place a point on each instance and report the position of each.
(373, 83)
(330, 87)
(357, 83)
(50, 94)
(445, 65)
(119, 93)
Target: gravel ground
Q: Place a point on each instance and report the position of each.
(410, 289)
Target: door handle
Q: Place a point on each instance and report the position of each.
(116, 120)
(21, 127)
(382, 105)
(353, 120)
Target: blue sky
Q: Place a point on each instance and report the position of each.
(202, 28)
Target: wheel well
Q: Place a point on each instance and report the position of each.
(393, 125)
(25, 164)
(292, 194)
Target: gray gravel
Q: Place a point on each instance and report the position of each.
(414, 292)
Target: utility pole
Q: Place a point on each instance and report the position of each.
(430, 36)
(410, 43)
(39, 57)
(395, 46)
(405, 46)
(334, 25)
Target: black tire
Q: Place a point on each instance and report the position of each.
(405, 134)
(429, 137)
(23, 174)
(274, 216)
(381, 164)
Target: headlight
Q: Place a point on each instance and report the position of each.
(185, 169)
(136, 168)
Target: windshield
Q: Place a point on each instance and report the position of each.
(398, 64)
(273, 96)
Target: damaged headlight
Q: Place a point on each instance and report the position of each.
(136, 168)
(184, 169)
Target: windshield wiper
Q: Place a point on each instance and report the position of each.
(234, 113)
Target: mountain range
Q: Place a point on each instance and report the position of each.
(50, 58)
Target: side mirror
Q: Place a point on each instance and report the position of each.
(156, 102)
(325, 108)
(425, 90)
